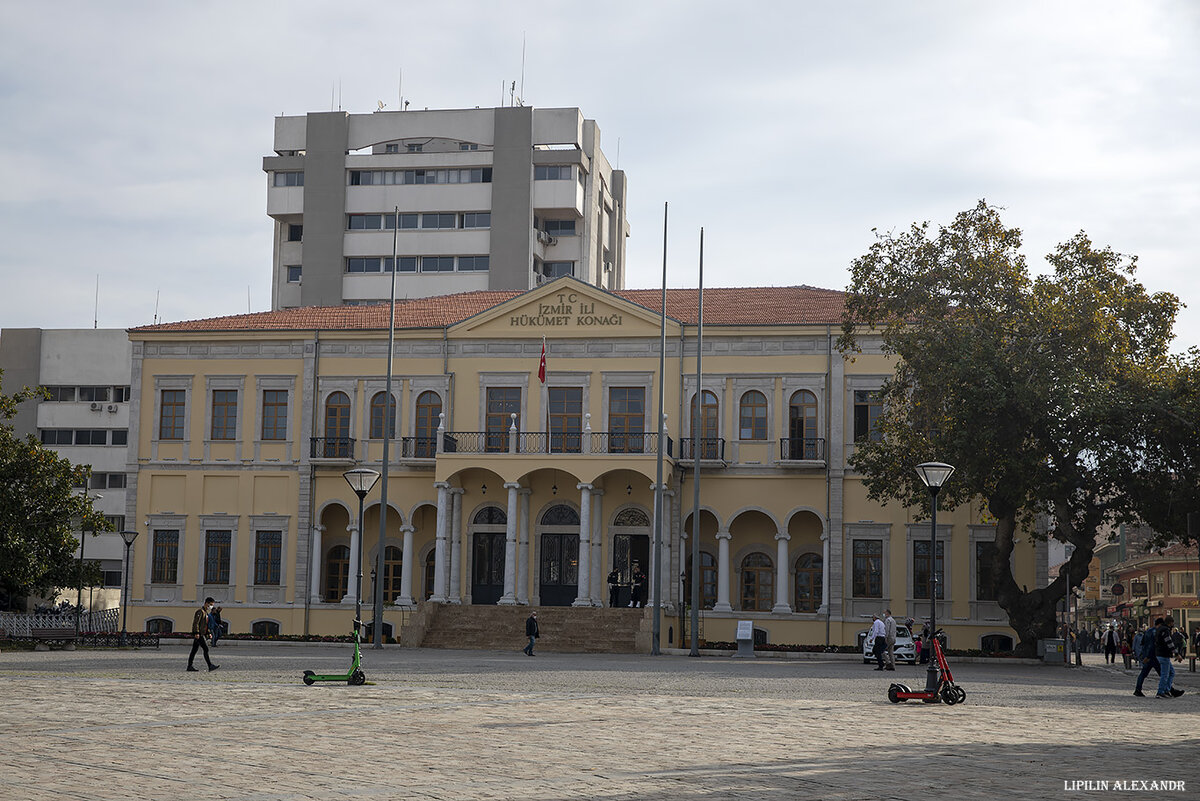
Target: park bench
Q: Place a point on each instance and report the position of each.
(43, 637)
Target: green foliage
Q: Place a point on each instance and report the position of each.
(40, 510)
(1032, 387)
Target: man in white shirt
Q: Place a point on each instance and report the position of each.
(889, 634)
(878, 635)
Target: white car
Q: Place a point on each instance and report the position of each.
(906, 650)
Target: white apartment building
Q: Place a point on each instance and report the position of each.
(86, 419)
(471, 199)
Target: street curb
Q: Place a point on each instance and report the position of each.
(827, 657)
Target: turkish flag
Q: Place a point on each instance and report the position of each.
(542, 364)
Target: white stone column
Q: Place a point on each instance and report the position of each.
(584, 571)
(316, 560)
(722, 604)
(350, 597)
(782, 606)
(406, 567)
(439, 551)
(509, 597)
(523, 547)
(668, 583)
(454, 594)
(598, 538)
(824, 574)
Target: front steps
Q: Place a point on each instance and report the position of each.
(563, 629)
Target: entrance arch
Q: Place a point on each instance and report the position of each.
(630, 547)
(558, 579)
(488, 528)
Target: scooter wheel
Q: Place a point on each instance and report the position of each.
(308, 677)
(949, 696)
(357, 678)
(960, 693)
(894, 694)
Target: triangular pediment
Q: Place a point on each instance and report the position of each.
(564, 308)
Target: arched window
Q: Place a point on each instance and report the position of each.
(560, 515)
(752, 418)
(430, 572)
(159, 625)
(758, 583)
(632, 517)
(337, 573)
(264, 628)
(706, 425)
(809, 568)
(429, 409)
(708, 580)
(393, 561)
(490, 515)
(337, 426)
(995, 643)
(802, 426)
(378, 415)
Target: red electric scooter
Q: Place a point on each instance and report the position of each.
(947, 691)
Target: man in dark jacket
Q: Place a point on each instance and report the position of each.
(531, 631)
(199, 632)
(1164, 649)
(614, 588)
(1146, 657)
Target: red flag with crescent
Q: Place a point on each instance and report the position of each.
(542, 364)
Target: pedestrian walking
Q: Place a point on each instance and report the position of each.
(1164, 649)
(614, 588)
(637, 588)
(1111, 641)
(216, 626)
(531, 631)
(889, 633)
(199, 633)
(1146, 657)
(926, 646)
(878, 635)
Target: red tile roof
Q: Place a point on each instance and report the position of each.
(787, 305)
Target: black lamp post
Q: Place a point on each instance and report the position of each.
(361, 480)
(79, 593)
(129, 537)
(933, 475)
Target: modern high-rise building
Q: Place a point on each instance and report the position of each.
(468, 199)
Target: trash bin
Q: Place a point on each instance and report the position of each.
(1052, 651)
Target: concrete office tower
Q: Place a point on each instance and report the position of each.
(497, 198)
(85, 419)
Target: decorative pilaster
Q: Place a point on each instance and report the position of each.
(315, 572)
(406, 567)
(597, 583)
(454, 594)
(781, 574)
(439, 552)
(509, 598)
(351, 597)
(722, 604)
(584, 573)
(523, 546)
(667, 583)
(824, 573)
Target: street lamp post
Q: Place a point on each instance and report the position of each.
(79, 593)
(361, 480)
(933, 475)
(129, 537)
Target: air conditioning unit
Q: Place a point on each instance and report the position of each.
(538, 279)
(112, 407)
(97, 407)
(543, 237)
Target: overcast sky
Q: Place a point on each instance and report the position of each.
(132, 133)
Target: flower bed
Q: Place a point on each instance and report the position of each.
(846, 649)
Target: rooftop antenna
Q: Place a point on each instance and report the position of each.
(332, 89)
(157, 292)
(339, 94)
(248, 299)
(96, 312)
(512, 94)
(400, 91)
(522, 68)
(618, 164)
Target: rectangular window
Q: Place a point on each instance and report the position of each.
(552, 172)
(467, 146)
(120, 436)
(166, 557)
(626, 419)
(501, 403)
(408, 222)
(289, 179)
(274, 414)
(391, 148)
(476, 264)
(477, 219)
(408, 264)
(120, 393)
(293, 273)
(414, 148)
(170, 414)
(364, 222)
(560, 227)
(216, 556)
(868, 569)
(920, 570)
(295, 232)
(60, 394)
(438, 222)
(469, 175)
(116, 481)
(267, 549)
(98, 481)
(557, 269)
(116, 521)
(1157, 585)
(867, 408)
(1182, 583)
(985, 558)
(437, 264)
(224, 414)
(99, 394)
(91, 436)
(364, 264)
(566, 419)
(57, 436)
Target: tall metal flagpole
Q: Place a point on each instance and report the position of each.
(697, 415)
(656, 629)
(389, 418)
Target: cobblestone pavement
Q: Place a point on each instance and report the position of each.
(488, 725)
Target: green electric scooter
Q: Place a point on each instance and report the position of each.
(354, 676)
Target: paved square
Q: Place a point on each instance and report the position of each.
(487, 725)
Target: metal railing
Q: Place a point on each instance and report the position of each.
(418, 447)
(331, 448)
(566, 442)
(19, 625)
(550, 442)
(627, 442)
(806, 449)
(710, 448)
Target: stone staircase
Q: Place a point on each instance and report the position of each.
(502, 628)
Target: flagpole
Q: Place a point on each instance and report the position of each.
(697, 420)
(656, 627)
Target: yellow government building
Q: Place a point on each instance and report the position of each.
(507, 491)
